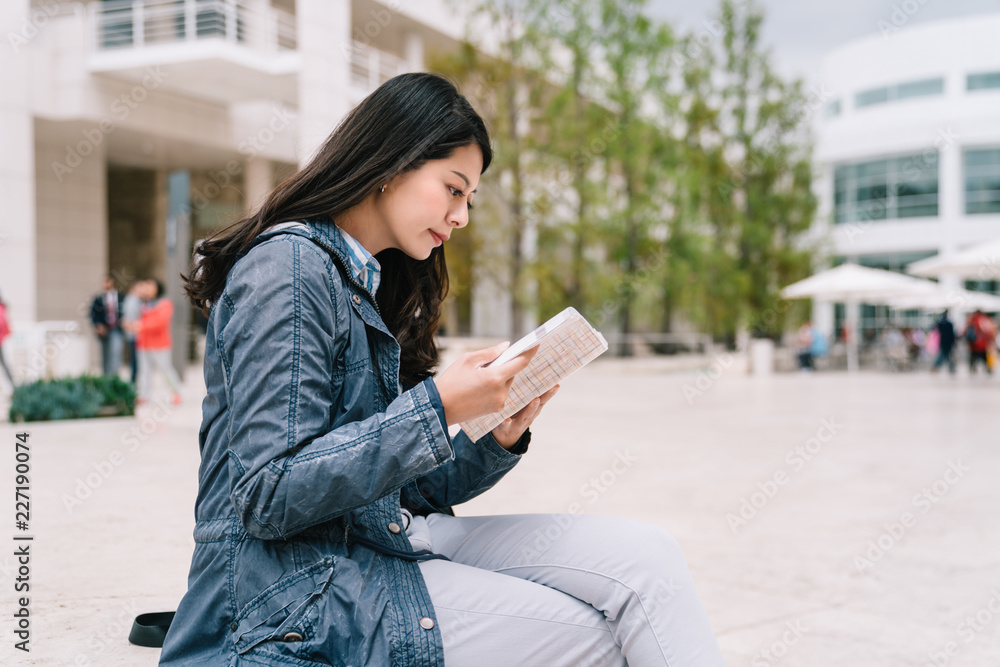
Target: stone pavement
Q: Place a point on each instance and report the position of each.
(828, 519)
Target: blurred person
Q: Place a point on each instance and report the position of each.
(131, 314)
(4, 332)
(980, 334)
(915, 339)
(894, 346)
(324, 532)
(153, 341)
(105, 315)
(819, 347)
(945, 339)
(806, 337)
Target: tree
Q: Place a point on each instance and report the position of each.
(769, 152)
(504, 89)
(636, 53)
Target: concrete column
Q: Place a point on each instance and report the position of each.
(258, 181)
(951, 199)
(414, 52)
(178, 245)
(823, 319)
(18, 244)
(324, 31)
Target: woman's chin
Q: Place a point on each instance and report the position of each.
(418, 253)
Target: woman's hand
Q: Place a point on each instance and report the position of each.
(510, 431)
(470, 389)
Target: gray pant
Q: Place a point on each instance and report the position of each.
(111, 352)
(150, 359)
(562, 590)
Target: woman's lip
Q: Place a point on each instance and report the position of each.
(438, 239)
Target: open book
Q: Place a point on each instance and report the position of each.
(566, 343)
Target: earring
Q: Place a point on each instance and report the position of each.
(382, 189)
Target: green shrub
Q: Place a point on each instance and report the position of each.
(72, 398)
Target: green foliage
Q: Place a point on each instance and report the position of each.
(664, 178)
(72, 398)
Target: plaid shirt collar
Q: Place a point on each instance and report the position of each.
(364, 266)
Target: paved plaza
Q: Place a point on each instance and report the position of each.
(829, 519)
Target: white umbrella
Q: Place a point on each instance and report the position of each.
(980, 262)
(855, 284)
(942, 299)
(852, 282)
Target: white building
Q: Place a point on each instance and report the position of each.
(131, 128)
(908, 152)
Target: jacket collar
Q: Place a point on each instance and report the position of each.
(323, 232)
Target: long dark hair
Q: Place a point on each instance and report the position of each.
(408, 120)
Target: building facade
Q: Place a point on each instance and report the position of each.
(908, 151)
(132, 128)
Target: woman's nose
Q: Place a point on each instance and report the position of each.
(459, 216)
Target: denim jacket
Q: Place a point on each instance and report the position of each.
(307, 440)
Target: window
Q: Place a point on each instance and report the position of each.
(919, 89)
(982, 181)
(870, 97)
(890, 188)
(983, 81)
(991, 286)
(899, 91)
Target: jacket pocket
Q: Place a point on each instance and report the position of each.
(283, 612)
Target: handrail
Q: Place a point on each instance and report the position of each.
(137, 24)
(371, 67)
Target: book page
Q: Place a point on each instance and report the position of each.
(566, 343)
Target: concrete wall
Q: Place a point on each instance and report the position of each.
(944, 124)
(17, 169)
(71, 224)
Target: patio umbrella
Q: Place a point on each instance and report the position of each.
(942, 299)
(980, 262)
(855, 284)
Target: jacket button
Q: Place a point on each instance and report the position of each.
(357, 300)
(292, 637)
(394, 528)
(327, 562)
(427, 623)
(233, 626)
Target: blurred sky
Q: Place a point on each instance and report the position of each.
(801, 32)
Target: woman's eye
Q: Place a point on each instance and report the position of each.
(458, 193)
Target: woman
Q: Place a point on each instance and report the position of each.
(4, 332)
(324, 533)
(153, 341)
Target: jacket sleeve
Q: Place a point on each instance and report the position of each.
(287, 469)
(96, 311)
(475, 468)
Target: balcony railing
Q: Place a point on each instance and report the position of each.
(370, 67)
(136, 24)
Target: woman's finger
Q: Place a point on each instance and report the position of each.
(517, 364)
